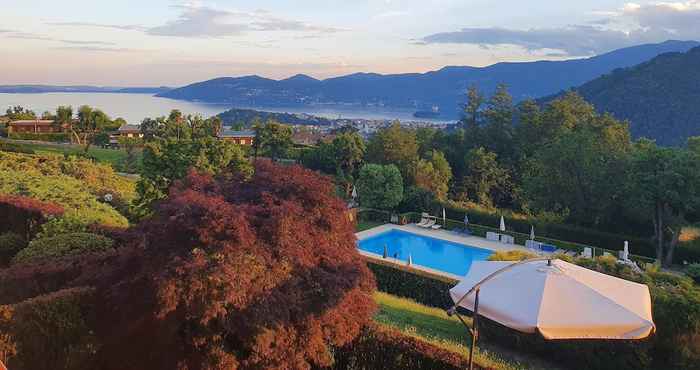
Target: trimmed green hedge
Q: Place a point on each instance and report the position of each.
(63, 245)
(422, 287)
(14, 148)
(55, 137)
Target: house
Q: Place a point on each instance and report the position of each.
(238, 137)
(35, 126)
(306, 137)
(130, 131)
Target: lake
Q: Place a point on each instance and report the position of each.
(135, 107)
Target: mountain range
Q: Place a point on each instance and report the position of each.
(443, 89)
(37, 89)
(660, 98)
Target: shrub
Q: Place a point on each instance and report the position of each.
(10, 244)
(693, 271)
(50, 137)
(49, 332)
(422, 287)
(14, 148)
(512, 255)
(62, 246)
(23, 215)
(383, 348)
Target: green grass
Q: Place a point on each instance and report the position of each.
(434, 326)
(111, 156)
(366, 225)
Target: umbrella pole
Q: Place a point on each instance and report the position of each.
(475, 330)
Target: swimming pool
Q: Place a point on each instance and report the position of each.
(425, 251)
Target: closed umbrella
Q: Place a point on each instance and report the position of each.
(410, 260)
(444, 217)
(354, 192)
(532, 233)
(503, 224)
(556, 299)
(466, 220)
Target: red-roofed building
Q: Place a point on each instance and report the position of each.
(35, 126)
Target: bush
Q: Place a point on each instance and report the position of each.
(49, 332)
(50, 137)
(422, 287)
(693, 271)
(62, 246)
(383, 348)
(512, 255)
(10, 244)
(14, 148)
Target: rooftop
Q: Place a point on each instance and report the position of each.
(231, 133)
(32, 122)
(126, 128)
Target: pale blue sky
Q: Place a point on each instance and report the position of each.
(161, 42)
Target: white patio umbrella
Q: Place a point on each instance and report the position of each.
(444, 218)
(466, 220)
(410, 260)
(532, 232)
(556, 299)
(354, 192)
(626, 251)
(503, 224)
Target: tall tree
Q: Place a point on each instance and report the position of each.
(664, 183)
(64, 118)
(484, 178)
(434, 174)
(380, 186)
(273, 139)
(394, 145)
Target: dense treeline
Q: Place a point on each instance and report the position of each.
(563, 161)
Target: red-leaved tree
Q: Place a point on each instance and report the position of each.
(232, 273)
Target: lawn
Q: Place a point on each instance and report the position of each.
(434, 326)
(111, 156)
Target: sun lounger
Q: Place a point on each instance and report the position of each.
(587, 253)
(436, 227)
(491, 236)
(424, 218)
(428, 224)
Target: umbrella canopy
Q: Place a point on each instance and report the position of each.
(561, 301)
(532, 233)
(466, 219)
(503, 224)
(354, 192)
(444, 218)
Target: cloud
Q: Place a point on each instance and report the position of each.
(127, 27)
(632, 24)
(97, 49)
(202, 21)
(32, 36)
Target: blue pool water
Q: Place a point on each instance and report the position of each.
(429, 252)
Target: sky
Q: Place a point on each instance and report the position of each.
(173, 43)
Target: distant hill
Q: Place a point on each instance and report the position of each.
(246, 117)
(661, 98)
(37, 89)
(444, 88)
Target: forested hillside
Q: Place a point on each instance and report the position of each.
(660, 98)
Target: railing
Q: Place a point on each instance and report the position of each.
(481, 230)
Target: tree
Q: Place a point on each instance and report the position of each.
(349, 149)
(129, 144)
(64, 118)
(578, 170)
(664, 183)
(219, 278)
(434, 174)
(484, 177)
(18, 112)
(394, 145)
(380, 186)
(273, 139)
(91, 122)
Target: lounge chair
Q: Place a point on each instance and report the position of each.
(587, 253)
(423, 220)
(436, 227)
(428, 224)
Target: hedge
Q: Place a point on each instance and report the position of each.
(50, 137)
(48, 332)
(15, 148)
(10, 244)
(382, 348)
(422, 287)
(61, 246)
(676, 312)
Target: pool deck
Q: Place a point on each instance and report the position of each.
(467, 240)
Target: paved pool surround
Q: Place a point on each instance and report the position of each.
(466, 240)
